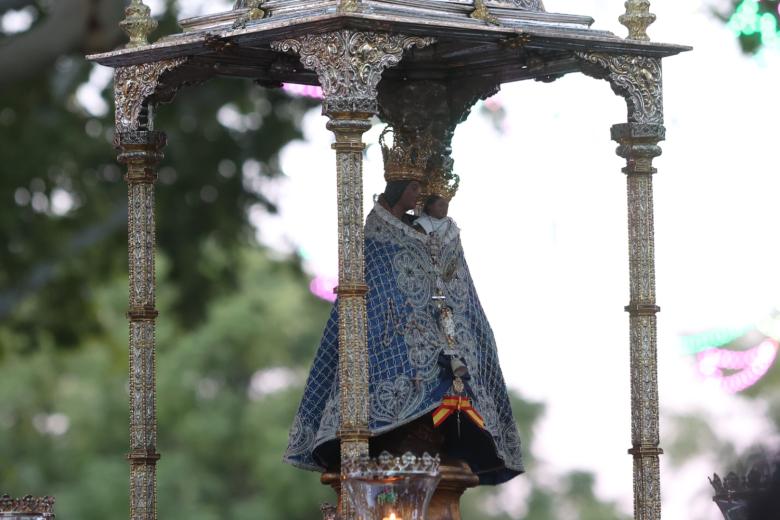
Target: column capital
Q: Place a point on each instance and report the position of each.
(349, 64)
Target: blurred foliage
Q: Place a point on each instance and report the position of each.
(63, 422)
(63, 217)
(237, 329)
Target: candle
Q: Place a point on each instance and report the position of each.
(392, 517)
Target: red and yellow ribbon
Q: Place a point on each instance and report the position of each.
(456, 403)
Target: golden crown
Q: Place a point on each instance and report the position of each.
(442, 183)
(407, 159)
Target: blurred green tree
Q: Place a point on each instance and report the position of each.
(227, 387)
(63, 217)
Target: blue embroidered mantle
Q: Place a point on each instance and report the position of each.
(404, 344)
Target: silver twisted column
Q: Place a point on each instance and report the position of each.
(141, 151)
(638, 145)
(349, 66)
(638, 79)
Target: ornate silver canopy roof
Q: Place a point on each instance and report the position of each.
(512, 39)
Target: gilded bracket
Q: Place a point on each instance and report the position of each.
(638, 79)
(133, 86)
(349, 64)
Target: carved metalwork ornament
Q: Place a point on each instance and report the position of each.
(636, 78)
(350, 64)
(637, 19)
(138, 24)
(638, 144)
(481, 12)
(41, 507)
(255, 12)
(526, 5)
(133, 86)
(141, 151)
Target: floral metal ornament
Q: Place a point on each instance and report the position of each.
(349, 64)
(638, 79)
(133, 86)
(28, 507)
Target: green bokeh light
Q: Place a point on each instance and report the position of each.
(695, 343)
(755, 22)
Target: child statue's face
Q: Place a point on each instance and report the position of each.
(439, 208)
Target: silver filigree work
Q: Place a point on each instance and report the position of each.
(636, 78)
(28, 507)
(639, 146)
(141, 152)
(349, 64)
(133, 86)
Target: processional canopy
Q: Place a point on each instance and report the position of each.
(503, 40)
(435, 59)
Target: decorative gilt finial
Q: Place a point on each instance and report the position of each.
(138, 23)
(637, 18)
(255, 12)
(348, 6)
(481, 12)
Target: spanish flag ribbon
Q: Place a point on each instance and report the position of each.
(456, 403)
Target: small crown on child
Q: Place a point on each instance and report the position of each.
(441, 181)
(405, 161)
(445, 188)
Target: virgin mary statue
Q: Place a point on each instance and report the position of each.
(434, 378)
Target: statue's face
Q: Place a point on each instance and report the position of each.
(409, 198)
(439, 208)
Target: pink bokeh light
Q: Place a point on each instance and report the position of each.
(311, 91)
(322, 287)
(748, 366)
